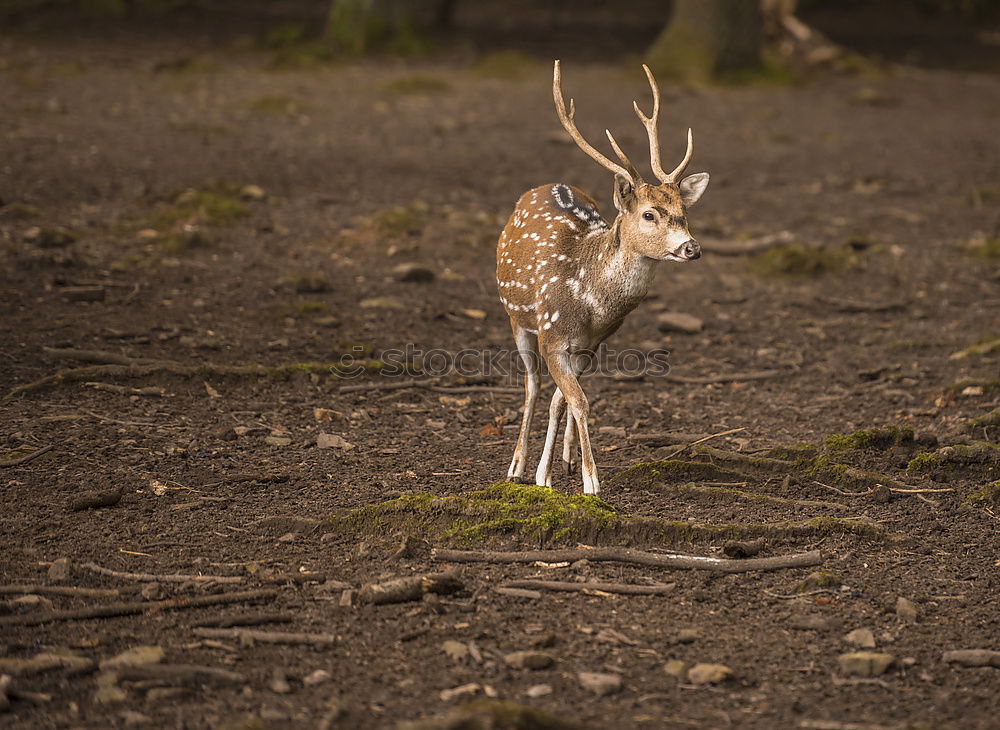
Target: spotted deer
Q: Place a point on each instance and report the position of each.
(568, 278)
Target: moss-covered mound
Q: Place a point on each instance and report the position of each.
(546, 517)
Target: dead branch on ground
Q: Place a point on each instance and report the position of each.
(27, 457)
(267, 637)
(137, 607)
(246, 619)
(173, 673)
(572, 587)
(410, 588)
(26, 589)
(153, 577)
(630, 555)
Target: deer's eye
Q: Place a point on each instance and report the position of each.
(648, 216)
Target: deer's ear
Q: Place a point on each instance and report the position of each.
(624, 193)
(693, 187)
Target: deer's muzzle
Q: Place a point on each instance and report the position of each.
(689, 251)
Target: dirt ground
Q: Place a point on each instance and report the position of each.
(177, 203)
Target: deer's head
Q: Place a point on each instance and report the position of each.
(652, 219)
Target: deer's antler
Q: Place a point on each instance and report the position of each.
(629, 171)
(654, 141)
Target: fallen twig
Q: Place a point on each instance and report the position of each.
(126, 390)
(162, 578)
(128, 609)
(267, 637)
(630, 555)
(841, 491)
(59, 591)
(568, 586)
(804, 594)
(928, 490)
(703, 439)
(27, 457)
(410, 588)
(246, 619)
(96, 357)
(192, 673)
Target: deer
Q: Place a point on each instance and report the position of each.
(567, 278)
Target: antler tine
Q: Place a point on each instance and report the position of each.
(679, 170)
(650, 124)
(632, 170)
(570, 127)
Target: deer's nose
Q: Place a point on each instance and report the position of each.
(691, 250)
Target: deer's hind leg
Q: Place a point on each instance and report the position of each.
(527, 348)
(569, 443)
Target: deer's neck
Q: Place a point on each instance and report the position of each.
(626, 274)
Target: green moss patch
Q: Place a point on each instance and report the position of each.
(988, 495)
(879, 438)
(216, 203)
(672, 471)
(798, 259)
(923, 462)
(545, 516)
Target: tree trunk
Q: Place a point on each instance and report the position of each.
(708, 38)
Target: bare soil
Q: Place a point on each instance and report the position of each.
(361, 167)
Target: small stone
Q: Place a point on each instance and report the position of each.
(289, 537)
(865, 663)
(863, 638)
(279, 682)
(333, 441)
(529, 659)
(277, 441)
(412, 273)
(709, 673)
(455, 649)
(146, 235)
(817, 580)
(59, 570)
(676, 668)
(252, 192)
(109, 695)
(317, 677)
(679, 322)
(323, 415)
(152, 591)
(227, 433)
(131, 718)
(599, 683)
(538, 690)
(688, 636)
(326, 321)
(906, 610)
(465, 690)
(473, 313)
(135, 657)
(381, 303)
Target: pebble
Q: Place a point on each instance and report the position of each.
(31, 602)
(863, 638)
(529, 659)
(906, 610)
(252, 192)
(59, 570)
(688, 636)
(811, 622)
(455, 649)
(538, 690)
(317, 677)
(865, 663)
(131, 718)
(333, 441)
(599, 683)
(412, 273)
(679, 322)
(277, 440)
(676, 668)
(109, 695)
(279, 682)
(709, 673)
(135, 657)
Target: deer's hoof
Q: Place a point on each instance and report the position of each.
(569, 466)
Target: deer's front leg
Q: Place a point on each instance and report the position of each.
(563, 373)
(543, 475)
(527, 348)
